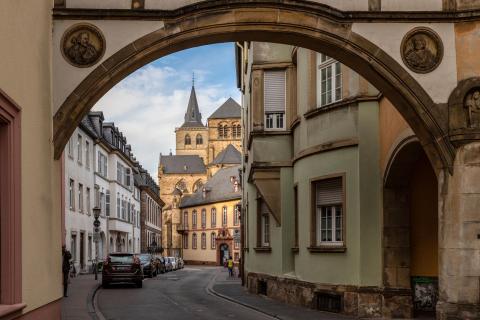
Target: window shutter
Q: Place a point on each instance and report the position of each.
(329, 192)
(274, 91)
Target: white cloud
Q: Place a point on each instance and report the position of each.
(150, 103)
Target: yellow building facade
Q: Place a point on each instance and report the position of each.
(201, 151)
(210, 225)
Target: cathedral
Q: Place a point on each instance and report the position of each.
(202, 151)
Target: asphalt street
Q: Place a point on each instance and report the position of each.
(181, 295)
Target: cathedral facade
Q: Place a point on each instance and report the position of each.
(201, 151)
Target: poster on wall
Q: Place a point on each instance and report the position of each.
(425, 293)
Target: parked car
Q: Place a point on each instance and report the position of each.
(168, 264)
(148, 264)
(160, 264)
(181, 263)
(173, 261)
(122, 267)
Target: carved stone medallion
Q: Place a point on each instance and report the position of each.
(83, 45)
(472, 108)
(421, 50)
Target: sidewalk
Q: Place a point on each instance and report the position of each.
(78, 304)
(231, 289)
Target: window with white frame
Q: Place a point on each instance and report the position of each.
(70, 147)
(213, 217)
(107, 203)
(87, 209)
(71, 194)
(329, 80)
(236, 215)
(79, 148)
(118, 205)
(263, 225)
(224, 216)
(204, 240)
(185, 219)
(194, 241)
(80, 197)
(213, 243)
(274, 99)
(204, 218)
(124, 209)
(329, 228)
(102, 203)
(87, 154)
(102, 164)
(194, 219)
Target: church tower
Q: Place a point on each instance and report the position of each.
(192, 136)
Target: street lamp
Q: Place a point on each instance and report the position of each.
(96, 236)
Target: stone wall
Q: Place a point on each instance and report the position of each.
(360, 301)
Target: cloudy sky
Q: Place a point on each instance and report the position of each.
(149, 104)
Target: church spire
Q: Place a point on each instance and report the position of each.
(193, 117)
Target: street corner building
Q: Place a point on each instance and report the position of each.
(201, 152)
(340, 199)
(102, 172)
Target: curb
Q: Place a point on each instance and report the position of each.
(92, 304)
(212, 291)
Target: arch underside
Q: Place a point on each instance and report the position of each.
(274, 23)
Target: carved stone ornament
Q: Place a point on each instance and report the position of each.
(83, 45)
(421, 50)
(472, 108)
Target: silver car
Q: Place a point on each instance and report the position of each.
(174, 263)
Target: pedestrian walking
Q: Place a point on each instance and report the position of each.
(66, 256)
(230, 266)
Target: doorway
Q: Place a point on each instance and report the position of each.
(224, 253)
(411, 228)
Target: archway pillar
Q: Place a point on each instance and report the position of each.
(459, 236)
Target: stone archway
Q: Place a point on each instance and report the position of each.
(410, 232)
(304, 24)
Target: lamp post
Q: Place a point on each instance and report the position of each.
(96, 236)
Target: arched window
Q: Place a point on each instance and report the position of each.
(194, 241)
(204, 218)
(213, 217)
(188, 140)
(185, 219)
(194, 219)
(213, 243)
(236, 215)
(199, 139)
(197, 185)
(224, 216)
(185, 241)
(204, 240)
(225, 131)
(181, 185)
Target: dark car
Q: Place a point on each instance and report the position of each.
(122, 267)
(148, 265)
(161, 267)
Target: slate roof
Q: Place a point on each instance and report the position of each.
(229, 109)
(182, 164)
(219, 187)
(193, 117)
(229, 155)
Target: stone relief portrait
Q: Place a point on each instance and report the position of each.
(83, 45)
(422, 50)
(472, 108)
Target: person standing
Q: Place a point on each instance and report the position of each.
(66, 256)
(230, 266)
